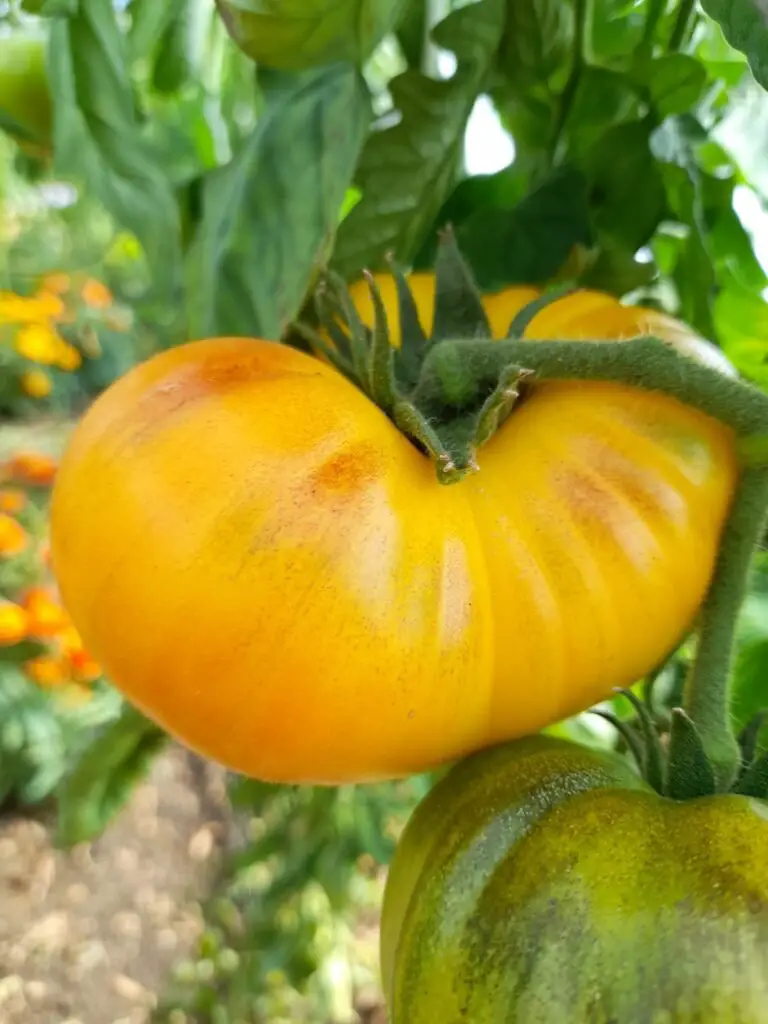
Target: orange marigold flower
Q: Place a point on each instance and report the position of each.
(96, 295)
(33, 468)
(13, 537)
(13, 623)
(47, 670)
(39, 343)
(83, 666)
(58, 284)
(12, 500)
(46, 615)
(36, 384)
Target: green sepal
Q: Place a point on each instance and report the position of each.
(689, 771)
(359, 334)
(754, 782)
(459, 311)
(413, 338)
(523, 319)
(499, 404)
(382, 385)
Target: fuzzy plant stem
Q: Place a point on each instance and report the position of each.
(707, 694)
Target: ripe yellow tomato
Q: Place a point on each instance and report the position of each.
(268, 568)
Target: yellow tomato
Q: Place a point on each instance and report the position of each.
(268, 568)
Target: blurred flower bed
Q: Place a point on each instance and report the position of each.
(52, 694)
(49, 337)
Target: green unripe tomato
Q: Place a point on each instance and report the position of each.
(545, 883)
(25, 99)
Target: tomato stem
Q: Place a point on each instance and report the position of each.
(707, 692)
(645, 362)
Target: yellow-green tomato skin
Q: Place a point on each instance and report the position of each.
(540, 883)
(267, 567)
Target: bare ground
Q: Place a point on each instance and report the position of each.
(89, 935)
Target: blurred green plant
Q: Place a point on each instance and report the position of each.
(52, 695)
(291, 931)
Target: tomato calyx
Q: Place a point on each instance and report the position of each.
(449, 392)
(451, 421)
(670, 754)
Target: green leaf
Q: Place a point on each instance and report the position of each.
(530, 242)
(406, 171)
(149, 21)
(270, 215)
(741, 320)
(295, 35)
(98, 143)
(603, 98)
(173, 65)
(616, 270)
(745, 26)
(105, 775)
(52, 8)
(675, 83)
(536, 41)
(750, 682)
(627, 191)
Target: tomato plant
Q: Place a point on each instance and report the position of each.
(542, 881)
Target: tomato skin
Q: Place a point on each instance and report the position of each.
(266, 566)
(541, 882)
(254, 554)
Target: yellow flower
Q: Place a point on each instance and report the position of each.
(21, 309)
(13, 623)
(46, 670)
(68, 357)
(36, 384)
(49, 304)
(38, 342)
